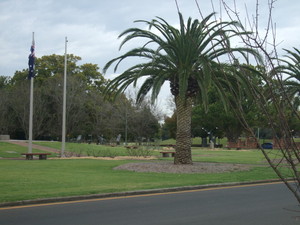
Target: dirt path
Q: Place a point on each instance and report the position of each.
(39, 147)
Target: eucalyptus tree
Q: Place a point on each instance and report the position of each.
(188, 57)
(5, 113)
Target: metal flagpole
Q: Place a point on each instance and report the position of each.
(31, 77)
(64, 105)
(30, 116)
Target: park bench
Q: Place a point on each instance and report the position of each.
(131, 147)
(167, 154)
(29, 156)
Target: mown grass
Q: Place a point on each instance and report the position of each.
(8, 150)
(90, 149)
(229, 156)
(199, 154)
(22, 179)
(32, 179)
(83, 147)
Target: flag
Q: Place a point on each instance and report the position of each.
(31, 59)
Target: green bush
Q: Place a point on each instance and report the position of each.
(142, 151)
(101, 153)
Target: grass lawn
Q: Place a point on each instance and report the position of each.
(8, 150)
(83, 147)
(228, 156)
(91, 149)
(32, 179)
(24, 179)
(199, 154)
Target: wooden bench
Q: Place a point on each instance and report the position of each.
(131, 147)
(167, 154)
(29, 156)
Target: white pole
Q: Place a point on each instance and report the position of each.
(64, 105)
(126, 125)
(31, 108)
(30, 116)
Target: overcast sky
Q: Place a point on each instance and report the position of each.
(92, 26)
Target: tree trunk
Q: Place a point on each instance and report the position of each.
(183, 135)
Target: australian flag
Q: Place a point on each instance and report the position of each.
(31, 59)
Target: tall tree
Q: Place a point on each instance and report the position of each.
(18, 106)
(4, 81)
(274, 104)
(169, 127)
(188, 58)
(5, 113)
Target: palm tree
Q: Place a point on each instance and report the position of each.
(291, 67)
(187, 58)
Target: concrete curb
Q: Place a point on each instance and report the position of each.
(131, 193)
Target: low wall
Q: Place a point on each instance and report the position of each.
(285, 144)
(249, 143)
(4, 137)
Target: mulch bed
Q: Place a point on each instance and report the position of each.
(169, 167)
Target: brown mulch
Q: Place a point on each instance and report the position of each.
(169, 167)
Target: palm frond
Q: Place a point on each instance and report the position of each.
(181, 56)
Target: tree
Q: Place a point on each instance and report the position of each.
(17, 107)
(4, 81)
(169, 127)
(48, 96)
(53, 65)
(291, 67)
(188, 58)
(90, 75)
(88, 114)
(99, 112)
(75, 108)
(6, 124)
(216, 120)
(274, 104)
(144, 124)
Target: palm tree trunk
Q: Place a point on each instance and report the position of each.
(183, 135)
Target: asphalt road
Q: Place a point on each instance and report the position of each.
(270, 204)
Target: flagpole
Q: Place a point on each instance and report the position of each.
(30, 116)
(64, 105)
(31, 107)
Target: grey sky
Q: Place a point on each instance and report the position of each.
(92, 26)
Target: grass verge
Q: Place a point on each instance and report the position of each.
(8, 150)
(22, 179)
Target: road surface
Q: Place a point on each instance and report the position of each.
(270, 204)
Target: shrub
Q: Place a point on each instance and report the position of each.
(142, 151)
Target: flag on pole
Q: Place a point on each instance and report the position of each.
(31, 75)
(31, 60)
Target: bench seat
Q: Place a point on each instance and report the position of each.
(29, 156)
(167, 154)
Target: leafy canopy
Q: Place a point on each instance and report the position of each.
(188, 57)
